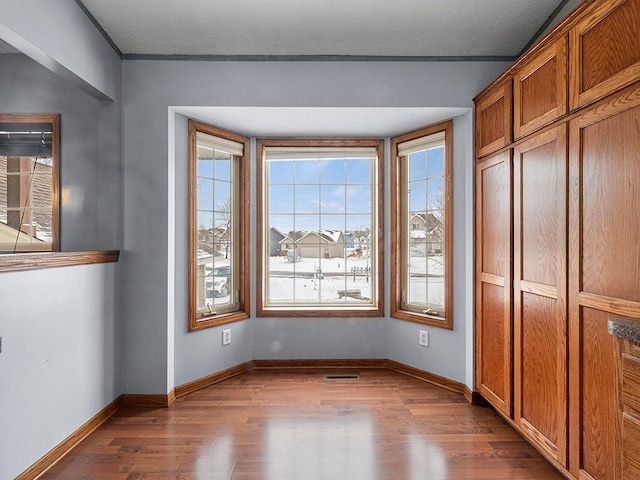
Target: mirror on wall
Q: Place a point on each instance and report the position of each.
(29, 205)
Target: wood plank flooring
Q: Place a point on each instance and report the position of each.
(294, 424)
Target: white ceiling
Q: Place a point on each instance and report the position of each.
(395, 28)
(320, 122)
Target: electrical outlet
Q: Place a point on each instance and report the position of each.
(226, 336)
(424, 338)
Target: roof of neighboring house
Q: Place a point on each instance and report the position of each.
(293, 236)
(429, 219)
(282, 235)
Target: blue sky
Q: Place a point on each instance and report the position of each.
(320, 194)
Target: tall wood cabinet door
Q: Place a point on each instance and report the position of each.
(540, 169)
(494, 118)
(604, 266)
(604, 50)
(493, 281)
(540, 89)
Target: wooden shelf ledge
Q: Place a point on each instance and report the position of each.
(18, 262)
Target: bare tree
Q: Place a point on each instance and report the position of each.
(223, 218)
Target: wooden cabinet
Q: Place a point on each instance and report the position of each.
(557, 241)
(604, 50)
(540, 89)
(493, 280)
(604, 268)
(494, 118)
(540, 290)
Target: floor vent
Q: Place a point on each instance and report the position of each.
(342, 377)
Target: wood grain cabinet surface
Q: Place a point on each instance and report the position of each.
(494, 118)
(604, 50)
(494, 329)
(540, 290)
(557, 235)
(540, 89)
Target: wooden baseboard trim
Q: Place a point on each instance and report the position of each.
(203, 382)
(432, 378)
(322, 363)
(153, 400)
(474, 397)
(64, 447)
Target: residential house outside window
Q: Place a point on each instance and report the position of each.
(324, 198)
(422, 205)
(29, 198)
(218, 226)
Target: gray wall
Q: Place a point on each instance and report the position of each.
(70, 46)
(89, 150)
(60, 360)
(59, 364)
(155, 213)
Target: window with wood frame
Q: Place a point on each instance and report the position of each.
(319, 228)
(422, 243)
(218, 226)
(29, 183)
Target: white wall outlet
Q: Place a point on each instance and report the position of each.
(226, 336)
(424, 338)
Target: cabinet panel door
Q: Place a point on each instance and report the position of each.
(604, 266)
(493, 119)
(540, 290)
(540, 89)
(493, 281)
(604, 50)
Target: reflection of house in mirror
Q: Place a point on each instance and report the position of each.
(25, 203)
(426, 234)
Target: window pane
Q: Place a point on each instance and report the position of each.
(332, 199)
(205, 194)
(422, 260)
(307, 171)
(281, 171)
(222, 193)
(358, 199)
(281, 198)
(215, 287)
(306, 199)
(417, 166)
(222, 167)
(333, 171)
(359, 171)
(205, 168)
(320, 254)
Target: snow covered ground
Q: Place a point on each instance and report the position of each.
(338, 280)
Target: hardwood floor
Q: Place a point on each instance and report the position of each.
(294, 424)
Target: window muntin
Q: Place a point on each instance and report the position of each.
(29, 205)
(217, 226)
(422, 254)
(319, 224)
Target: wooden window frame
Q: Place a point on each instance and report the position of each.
(375, 310)
(54, 120)
(243, 283)
(398, 205)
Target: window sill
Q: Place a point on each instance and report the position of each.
(320, 312)
(422, 319)
(19, 262)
